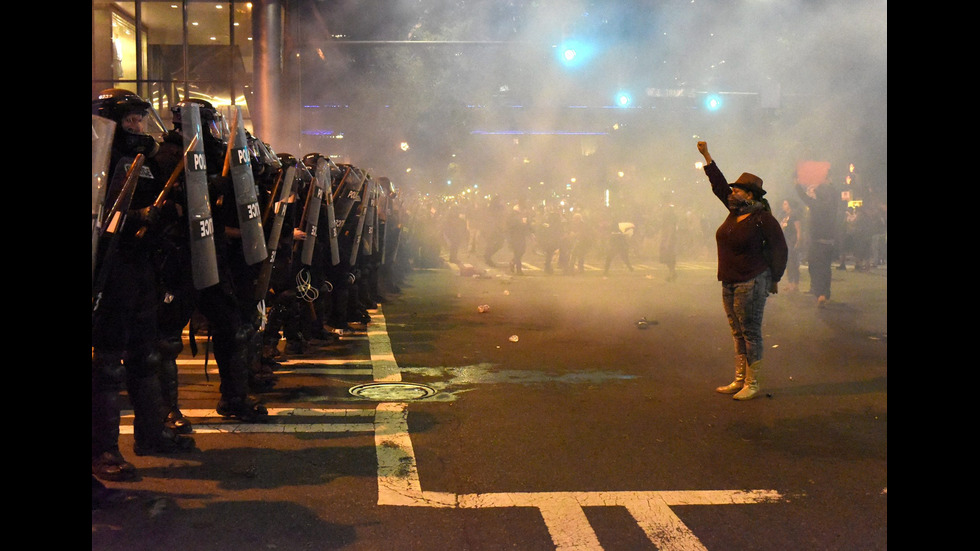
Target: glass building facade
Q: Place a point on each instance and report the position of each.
(167, 51)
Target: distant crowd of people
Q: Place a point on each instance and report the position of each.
(497, 232)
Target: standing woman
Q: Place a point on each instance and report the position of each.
(751, 259)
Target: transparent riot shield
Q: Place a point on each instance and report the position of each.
(238, 162)
(323, 175)
(311, 217)
(275, 230)
(204, 262)
(103, 130)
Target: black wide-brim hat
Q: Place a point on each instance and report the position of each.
(749, 182)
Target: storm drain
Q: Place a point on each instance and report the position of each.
(392, 391)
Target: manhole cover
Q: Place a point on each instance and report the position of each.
(392, 392)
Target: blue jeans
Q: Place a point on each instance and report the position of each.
(744, 304)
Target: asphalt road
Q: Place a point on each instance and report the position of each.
(551, 420)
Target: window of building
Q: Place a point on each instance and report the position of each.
(167, 51)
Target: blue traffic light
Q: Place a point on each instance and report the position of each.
(574, 53)
(712, 102)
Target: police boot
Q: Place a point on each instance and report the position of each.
(245, 408)
(107, 381)
(731, 388)
(270, 351)
(295, 346)
(235, 401)
(150, 435)
(110, 465)
(266, 373)
(174, 419)
(258, 378)
(751, 388)
(107, 461)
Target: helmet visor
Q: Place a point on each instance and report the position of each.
(153, 124)
(217, 127)
(262, 153)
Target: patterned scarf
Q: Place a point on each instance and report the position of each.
(739, 207)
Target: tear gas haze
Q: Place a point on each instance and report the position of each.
(483, 96)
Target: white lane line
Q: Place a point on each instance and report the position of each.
(301, 361)
(562, 512)
(568, 525)
(662, 526)
(289, 417)
(398, 475)
(327, 361)
(300, 366)
(261, 428)
(323, 371)
(382, 358)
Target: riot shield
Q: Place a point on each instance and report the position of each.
(114, 222)
(279, 209)
(204, 262)
(361, 216)
(239, 163)
(323, 175)
(371, 218)
(103, 130)
(347, 194)
(164, 194)
(311, 218)
(385, 191)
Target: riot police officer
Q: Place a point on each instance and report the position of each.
(321, 263)
(265, 172)
(347, 185)
(282, 303)
(124, 324)
(218, 303)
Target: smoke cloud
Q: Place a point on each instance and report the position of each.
(478, 93)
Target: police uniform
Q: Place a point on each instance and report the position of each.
(218, 303)
(124, 320)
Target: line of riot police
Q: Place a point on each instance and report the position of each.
(208, 229)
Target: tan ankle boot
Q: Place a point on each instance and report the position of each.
(731, 388)
(751, 387)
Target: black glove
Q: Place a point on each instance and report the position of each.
(149, 216)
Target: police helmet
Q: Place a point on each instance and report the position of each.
(286, 160)
(387, 185)
(211, 119)
(311, 159)
(116, 103)
(260, 153)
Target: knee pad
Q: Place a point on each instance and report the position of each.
(243, 337)
(149, 365)
(169, 348)
(108, 371)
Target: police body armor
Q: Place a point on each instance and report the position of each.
(279, 215)
(238, 159)
(204, 261)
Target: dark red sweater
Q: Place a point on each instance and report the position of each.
(740, 244)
